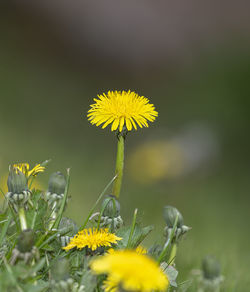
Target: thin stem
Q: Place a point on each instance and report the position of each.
(59, 214)
(22, 218)
(119, 166)
(53, 215)
(132, 229)
(173, 254)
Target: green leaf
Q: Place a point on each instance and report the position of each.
(171, 273)
(139, 234)
(36, 216)
(88, 281)
(77, 259)
(5, 228)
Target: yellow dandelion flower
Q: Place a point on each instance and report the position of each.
(111, 284)
(121, 109)
(140, 250)
(25, 169)
(131, 271)
(92, 239)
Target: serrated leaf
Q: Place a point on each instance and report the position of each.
(171, 273)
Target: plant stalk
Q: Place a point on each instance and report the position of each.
(173, 254)
(119, 166)
(22, 218)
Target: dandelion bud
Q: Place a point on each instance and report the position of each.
(57, 183)
(112, 207)
(170, 213)
(26, 241)
(210, 267)
(17, 181)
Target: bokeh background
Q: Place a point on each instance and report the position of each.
(191, 59)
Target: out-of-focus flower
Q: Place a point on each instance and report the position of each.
(209, 278)
(92, 238)
(121, 109)
(25, 249)
(131, 271)
(156, 160)
(195, 148)
(140, 250)
(211, 267)
(25, 169)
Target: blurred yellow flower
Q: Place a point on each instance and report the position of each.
(92, 239)
(157, 160)
(120, 109)
(131, 271)
(25, 169)
(140, 250)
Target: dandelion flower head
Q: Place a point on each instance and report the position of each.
(121, 108)
(131, 271)
(25, 169)
(92, 238)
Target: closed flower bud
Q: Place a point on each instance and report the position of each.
(57, 183)
(17, 181)
(111, 207)
(67, 222)
(26, 241)
(170, 214)
(210, 267)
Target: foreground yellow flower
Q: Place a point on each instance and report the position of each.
(120, 109)
(92, 239)
(140, 250)
(25, 169)
(131, 271)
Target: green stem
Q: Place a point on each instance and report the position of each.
(119, 166)
(173, 254)
(132, 229)
(22, 218)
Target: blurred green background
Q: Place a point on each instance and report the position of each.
(193, 64)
